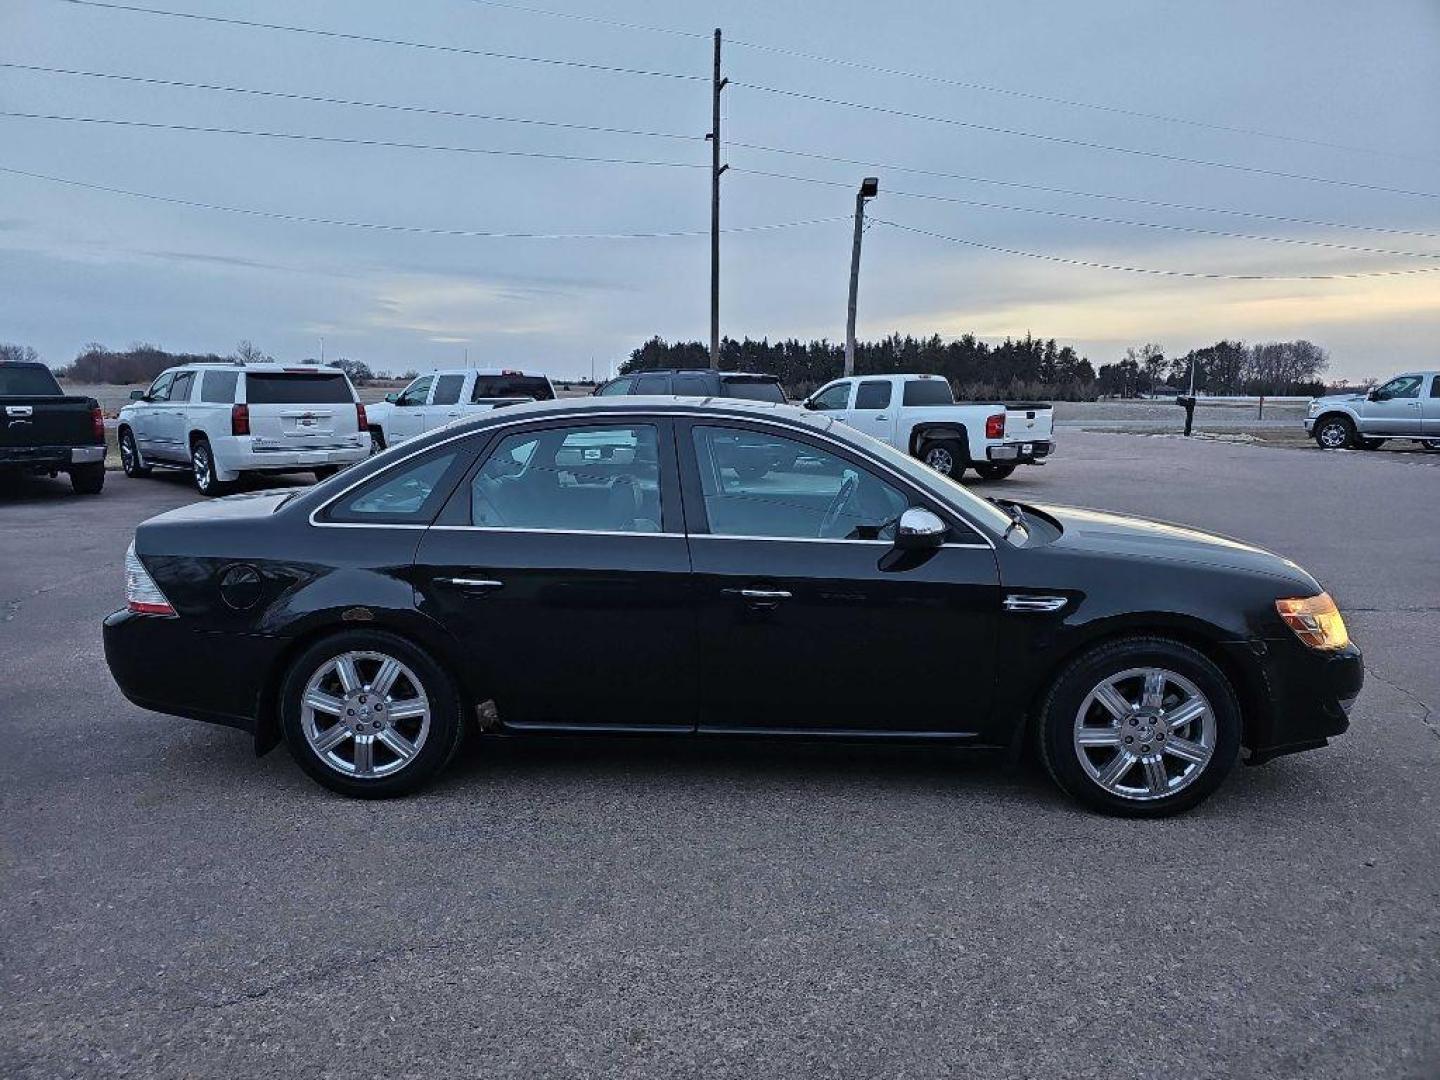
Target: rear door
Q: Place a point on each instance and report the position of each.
(300, 410)
(560, 564)
(1431, 409)
(810, 619)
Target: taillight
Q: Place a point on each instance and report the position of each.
(995, 426)
(142, 595)
(97, 424)
(360, 416)
(240, 420)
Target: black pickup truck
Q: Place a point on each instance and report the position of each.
(46, 432)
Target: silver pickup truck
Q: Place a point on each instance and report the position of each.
(1406, 407)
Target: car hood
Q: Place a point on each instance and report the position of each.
(1335, 399)
(1121, 535)
(249, 504)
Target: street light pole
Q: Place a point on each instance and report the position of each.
(716, 85)
(869, 188)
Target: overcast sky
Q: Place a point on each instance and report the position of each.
(80, 265)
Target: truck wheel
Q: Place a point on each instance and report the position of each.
(325, 472)
(202, 461)
(994, 472)
(946, 456)
(1368, 444)
(130, 455)
(1335, 433)
(1430, 444)
(88, 479)
(377, 440)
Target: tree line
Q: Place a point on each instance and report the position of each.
(1227, 368)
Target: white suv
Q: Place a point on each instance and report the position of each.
(222, 420)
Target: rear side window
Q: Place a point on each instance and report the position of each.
(447, 389)
(652, 384)
(180, 388)
(525, 386)
(410, 494)
(1435, 386)
(296, 388)
(218, 387)
(753, 389)
(27, 382)
(928, 392)
(694, 384)
(873, 395)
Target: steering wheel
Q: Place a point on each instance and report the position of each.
(838, 504)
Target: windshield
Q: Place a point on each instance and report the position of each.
(27, 382)
(941, 486)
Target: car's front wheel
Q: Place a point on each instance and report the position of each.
(946, 456)
(368, 714)
(994, 472)
(130, 459)
(1140, 727)
(1335, 433)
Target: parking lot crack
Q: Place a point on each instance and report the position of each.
(1427, 714)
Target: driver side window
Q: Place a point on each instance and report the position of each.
(416, 392)
(761, 485)
(832, 398)
(160, 388)
(1406, 386)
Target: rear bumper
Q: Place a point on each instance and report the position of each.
(163, 665)
(1021, 453)
(1301, 698)
(237, 455)
(49, 457)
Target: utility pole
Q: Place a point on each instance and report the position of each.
(869, 188)
(716, 85)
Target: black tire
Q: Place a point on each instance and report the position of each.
(994, 472)
(435, 752)
(325, 472)
(1335, 433)
(377, 440)
(1430, 444)
(945, 456)
(1368, 444)
(1057, 720)
(130, 459)
(88, 479)
(202, 466)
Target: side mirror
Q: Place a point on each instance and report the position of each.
(919, 529)
(809, 403)
(393, 396)
(1378, 395)
(137, 395)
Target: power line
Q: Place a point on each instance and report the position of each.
(289, 96)
(592, 19)
(1101, 220)
(1158, 203)
(1066, 141)
(373, 40)
(1150, 270)
(344, 141)
(422, 230)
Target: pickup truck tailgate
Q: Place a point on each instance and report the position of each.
(1029, 420)
(46, 421)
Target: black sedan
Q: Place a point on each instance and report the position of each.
(603, 567)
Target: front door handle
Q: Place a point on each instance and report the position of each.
(470, 583)
(760, 599)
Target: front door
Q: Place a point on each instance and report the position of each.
(561, 565)
(810, 620)
(444, 404)
(407, 418)
(1395, 408)
(168, 429)
(872, 412)
(1430, 408)
(142, 420)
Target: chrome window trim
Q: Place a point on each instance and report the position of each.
(547, 532)
(817, 540)
(652, 414)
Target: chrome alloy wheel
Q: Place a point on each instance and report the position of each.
(940, 459)
(365, 714)
(1145, 733)
(1333, 434)
(200, 462)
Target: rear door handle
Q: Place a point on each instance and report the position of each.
(470, 583)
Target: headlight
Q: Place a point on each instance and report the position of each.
(1314, 408)
(1316, 621)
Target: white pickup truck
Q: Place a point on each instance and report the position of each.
(442, 397)
(919, 415)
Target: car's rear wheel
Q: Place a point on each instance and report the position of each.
(325, 472)
(946, 456)
(202, 463)
(1141, 727)
(130, 459)
(88, 479)
(1335, 433)
(377, 440)
(368, 714)
(1430, 444)
(994, 472)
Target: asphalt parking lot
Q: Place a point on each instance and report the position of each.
(174, 907)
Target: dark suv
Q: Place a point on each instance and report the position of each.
(701, 383)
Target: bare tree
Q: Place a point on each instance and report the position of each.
(247, 353)
(17, 354)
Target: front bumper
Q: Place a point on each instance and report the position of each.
(1300, 697)
(1309, 422)
(160, 663)
(1021, 453)
(49, 457)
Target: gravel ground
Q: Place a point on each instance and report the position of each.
(174, 907)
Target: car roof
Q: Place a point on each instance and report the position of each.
(291, 369)
(701, 371)
(523, 372)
